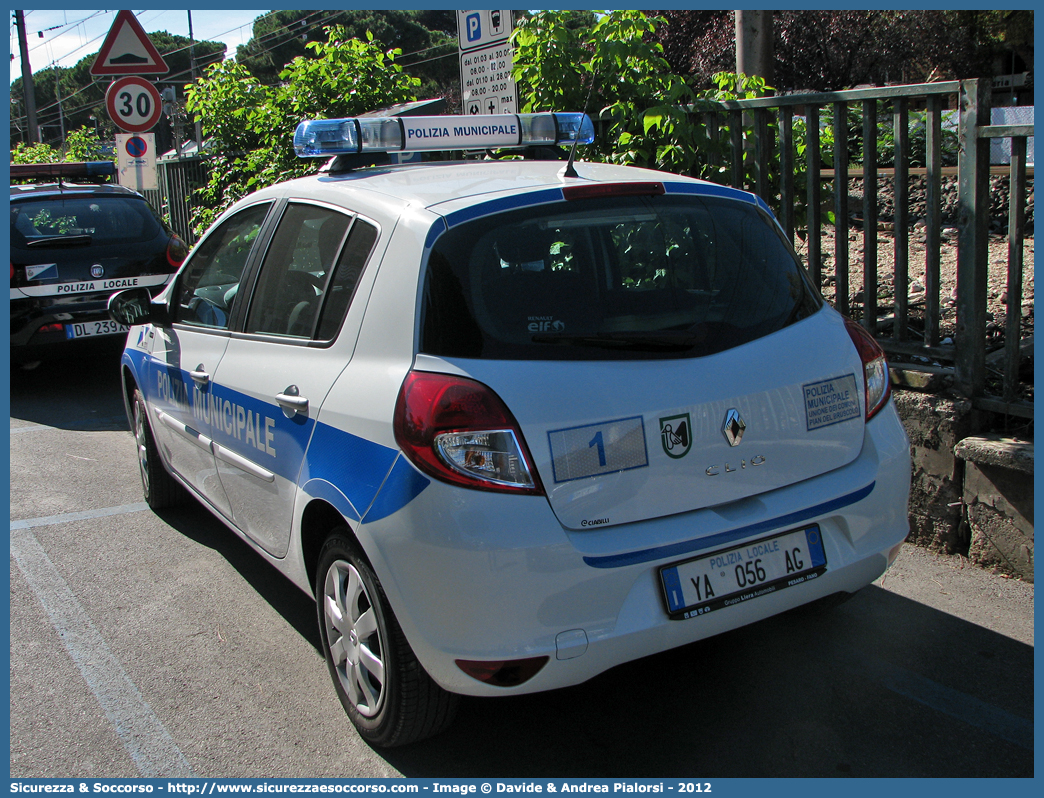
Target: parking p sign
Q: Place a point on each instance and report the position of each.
(481, 28)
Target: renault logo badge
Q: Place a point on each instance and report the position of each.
(733, 427)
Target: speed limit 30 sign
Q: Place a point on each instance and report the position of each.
(133, 104)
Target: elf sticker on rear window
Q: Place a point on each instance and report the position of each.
(831, 401)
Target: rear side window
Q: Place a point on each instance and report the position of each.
(612, 279)
(106, 220)
(309, 273)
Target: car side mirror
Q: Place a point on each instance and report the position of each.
(134, 306)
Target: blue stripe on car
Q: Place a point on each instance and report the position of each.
(365, 473)
(709, 190)
(348, 471)
(728, 536)
(503, 204)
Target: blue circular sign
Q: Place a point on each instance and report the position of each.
(136, 146)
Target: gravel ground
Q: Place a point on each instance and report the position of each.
(997, 293)
(998, 302)
(952, 584)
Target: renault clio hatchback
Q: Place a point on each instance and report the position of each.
(512, 423)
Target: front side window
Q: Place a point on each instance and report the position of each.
(612, 279)
(209, 284)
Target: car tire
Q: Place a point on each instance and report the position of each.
(160, 488)
(387, 694)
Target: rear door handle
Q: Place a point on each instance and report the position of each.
(200, 375)
(291, 401)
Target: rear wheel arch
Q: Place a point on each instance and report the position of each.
(319, 519)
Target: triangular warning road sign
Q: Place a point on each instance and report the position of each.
(127, 50)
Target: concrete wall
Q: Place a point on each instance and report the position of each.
(971, 494)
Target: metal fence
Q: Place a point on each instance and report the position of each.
(177, 179)
(763, 149)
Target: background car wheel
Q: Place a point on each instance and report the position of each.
(386, 692)
(160, 488)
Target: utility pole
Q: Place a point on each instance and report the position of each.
(754, 45)
(27, 79)
(192, 63)
(61, 114)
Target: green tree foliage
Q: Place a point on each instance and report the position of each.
(831, 50)
(427, 41)
(616, 71)
(35, 153)
(84, 145)
(251, 125)
(80, 145)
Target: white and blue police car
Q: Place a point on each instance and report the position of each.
(513, 422)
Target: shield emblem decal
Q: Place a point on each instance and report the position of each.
(676, 435)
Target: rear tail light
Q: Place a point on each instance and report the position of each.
(177, 250)
(459, 431)
(875, 368)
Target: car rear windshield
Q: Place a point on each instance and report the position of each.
(623, 278)
(97, 220)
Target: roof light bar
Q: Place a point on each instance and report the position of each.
(38, 171)
(321, 138)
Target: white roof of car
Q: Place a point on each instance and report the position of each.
(432, 183)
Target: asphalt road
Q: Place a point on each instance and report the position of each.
(161, 645)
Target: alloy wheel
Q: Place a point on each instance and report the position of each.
(354, 637)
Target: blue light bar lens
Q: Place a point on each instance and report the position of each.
(575, 127)
(321, 138)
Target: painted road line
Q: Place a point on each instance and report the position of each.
(31, 428)
(86, 515)
(952, 702)
(146, 740)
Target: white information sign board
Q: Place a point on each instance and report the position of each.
(486, 85)
(136, 160)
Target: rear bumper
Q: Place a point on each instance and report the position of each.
(30, 315)
(488, 577)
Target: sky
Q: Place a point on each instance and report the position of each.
(69, 36)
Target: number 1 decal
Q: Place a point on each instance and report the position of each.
(597, 441)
